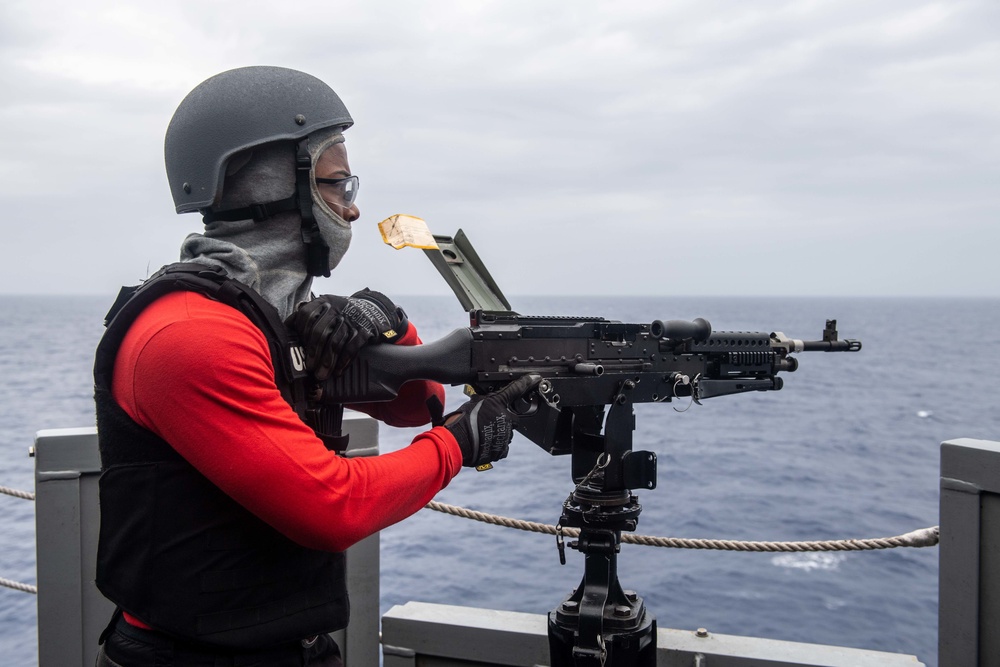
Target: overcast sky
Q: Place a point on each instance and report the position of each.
(644, 147)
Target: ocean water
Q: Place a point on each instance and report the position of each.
(849, 448)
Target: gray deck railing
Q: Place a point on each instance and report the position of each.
(434, 635)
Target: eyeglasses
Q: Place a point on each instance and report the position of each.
(343, 189)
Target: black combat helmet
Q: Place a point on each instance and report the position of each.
(236, 110)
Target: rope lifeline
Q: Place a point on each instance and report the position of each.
(27, 495)
(26, 588)
(924, 537)
(16, 585)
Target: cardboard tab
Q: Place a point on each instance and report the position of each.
(403, 230)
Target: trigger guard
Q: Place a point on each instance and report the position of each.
(525, 406)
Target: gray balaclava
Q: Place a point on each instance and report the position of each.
(269, 256)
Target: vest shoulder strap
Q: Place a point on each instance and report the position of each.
(286, 352)
(212, 282)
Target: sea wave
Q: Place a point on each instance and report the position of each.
(810, 562)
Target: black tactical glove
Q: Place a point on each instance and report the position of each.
(334, 328)
(484, 426)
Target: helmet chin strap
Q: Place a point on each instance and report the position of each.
(317, 250)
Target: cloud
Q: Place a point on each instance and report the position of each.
(834, 147)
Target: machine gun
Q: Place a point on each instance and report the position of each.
(587, 364)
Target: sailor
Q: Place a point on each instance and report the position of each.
(226, 504)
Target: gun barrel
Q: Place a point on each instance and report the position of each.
(849, 345)
(778, 339)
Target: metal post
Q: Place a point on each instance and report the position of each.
(969, 579)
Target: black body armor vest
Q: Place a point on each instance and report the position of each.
(174, 550)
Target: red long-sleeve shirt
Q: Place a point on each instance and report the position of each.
(198, 374)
